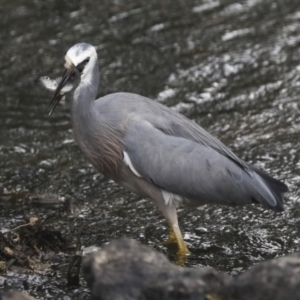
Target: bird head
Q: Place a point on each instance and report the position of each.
(79, 62)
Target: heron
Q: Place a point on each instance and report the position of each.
(156, 152)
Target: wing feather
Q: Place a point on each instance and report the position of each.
(192, 170)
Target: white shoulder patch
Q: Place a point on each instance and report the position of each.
(171, 199)
(128, 163)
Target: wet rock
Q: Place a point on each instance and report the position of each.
(15, 296)
(278, 279)
(125, 269)
(201, 230)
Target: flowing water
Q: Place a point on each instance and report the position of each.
(233, 67)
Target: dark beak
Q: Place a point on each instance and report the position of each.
(56, 97)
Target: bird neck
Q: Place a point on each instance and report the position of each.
(83, 113)
(92, 134)
(86, 92)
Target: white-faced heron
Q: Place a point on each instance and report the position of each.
(156, 152)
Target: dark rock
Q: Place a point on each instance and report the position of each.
(125, 269)
(278, 279)
(187, 284)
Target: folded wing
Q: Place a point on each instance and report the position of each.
(196, 171)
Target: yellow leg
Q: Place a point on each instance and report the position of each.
(182, 248)
(169, 212)
(171, 238)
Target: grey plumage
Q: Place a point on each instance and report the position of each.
(153, 150)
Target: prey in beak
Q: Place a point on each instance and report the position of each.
(68, 74)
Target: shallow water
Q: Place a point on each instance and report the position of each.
(233, 67)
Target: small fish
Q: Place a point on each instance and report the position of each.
(51, 85)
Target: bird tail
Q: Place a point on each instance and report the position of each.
(270, 191)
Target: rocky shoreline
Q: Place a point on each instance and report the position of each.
(125, 269)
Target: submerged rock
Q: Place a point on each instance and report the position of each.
(125, 269)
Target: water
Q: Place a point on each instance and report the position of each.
(233, 67)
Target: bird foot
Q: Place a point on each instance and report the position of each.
(176, 238)
(171, 239)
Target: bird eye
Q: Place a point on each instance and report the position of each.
(81, 66)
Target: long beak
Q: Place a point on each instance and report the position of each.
(55, 99)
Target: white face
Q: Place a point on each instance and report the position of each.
(83, 56)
